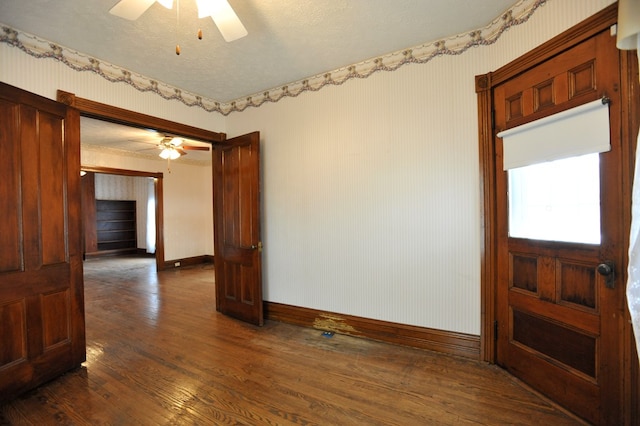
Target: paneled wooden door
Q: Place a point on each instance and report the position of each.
(41, 285)
(238, 248)
(559, 324)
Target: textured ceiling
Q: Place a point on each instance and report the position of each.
(101, 135)
(288, 40)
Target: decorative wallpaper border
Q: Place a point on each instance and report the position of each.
(456, 45)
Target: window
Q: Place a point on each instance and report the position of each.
(557, 200)
(553, 167)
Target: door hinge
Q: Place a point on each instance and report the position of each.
(495, 331)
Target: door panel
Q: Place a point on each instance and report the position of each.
(238, 257)
(50, 147)
(10, 253)
(559, 325)
(41, 290)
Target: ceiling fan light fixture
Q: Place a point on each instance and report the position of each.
(164, 154)
(176, 141)
(169, 154)
(174, 154)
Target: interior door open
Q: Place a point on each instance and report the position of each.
(237, 240)
(42, 332)
(559, 309)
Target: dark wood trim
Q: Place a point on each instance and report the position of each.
(89, 228)
(89, 108)
(107, 253)
(159, 187)
(122, 172)
(448, 342)
(574, 35)
(19, 95)
(630, 121)
(484, 88)
(73, 203)
(188, 261)
(488, 216)
(631, 111)
(114, 114)
(143, 252)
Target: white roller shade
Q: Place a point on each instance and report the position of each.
(628, 24)
(577, 131)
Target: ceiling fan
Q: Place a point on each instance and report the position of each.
(219, 10)
(173, 147)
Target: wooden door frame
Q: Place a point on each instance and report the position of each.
(630, 95)
(159, 204)
(100, 111)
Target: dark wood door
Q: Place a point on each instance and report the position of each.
(238, 248)
(41, 284)
(559, 325)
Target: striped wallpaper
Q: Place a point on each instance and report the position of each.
(370, 189)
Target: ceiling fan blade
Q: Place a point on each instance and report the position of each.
(166, 3)
(131, 9)
(224, 17)
(194, 148)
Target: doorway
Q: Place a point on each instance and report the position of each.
(90, 219)
(553, 316)
(99, 111)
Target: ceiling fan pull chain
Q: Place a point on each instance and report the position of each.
(177, 25)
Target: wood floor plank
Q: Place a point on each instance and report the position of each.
(159, 353)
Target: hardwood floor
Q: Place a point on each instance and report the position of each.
(158, 353)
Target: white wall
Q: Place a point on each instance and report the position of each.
(117, 187)
(188, 216)
(370, 189)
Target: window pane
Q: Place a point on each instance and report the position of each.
(556, 201)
